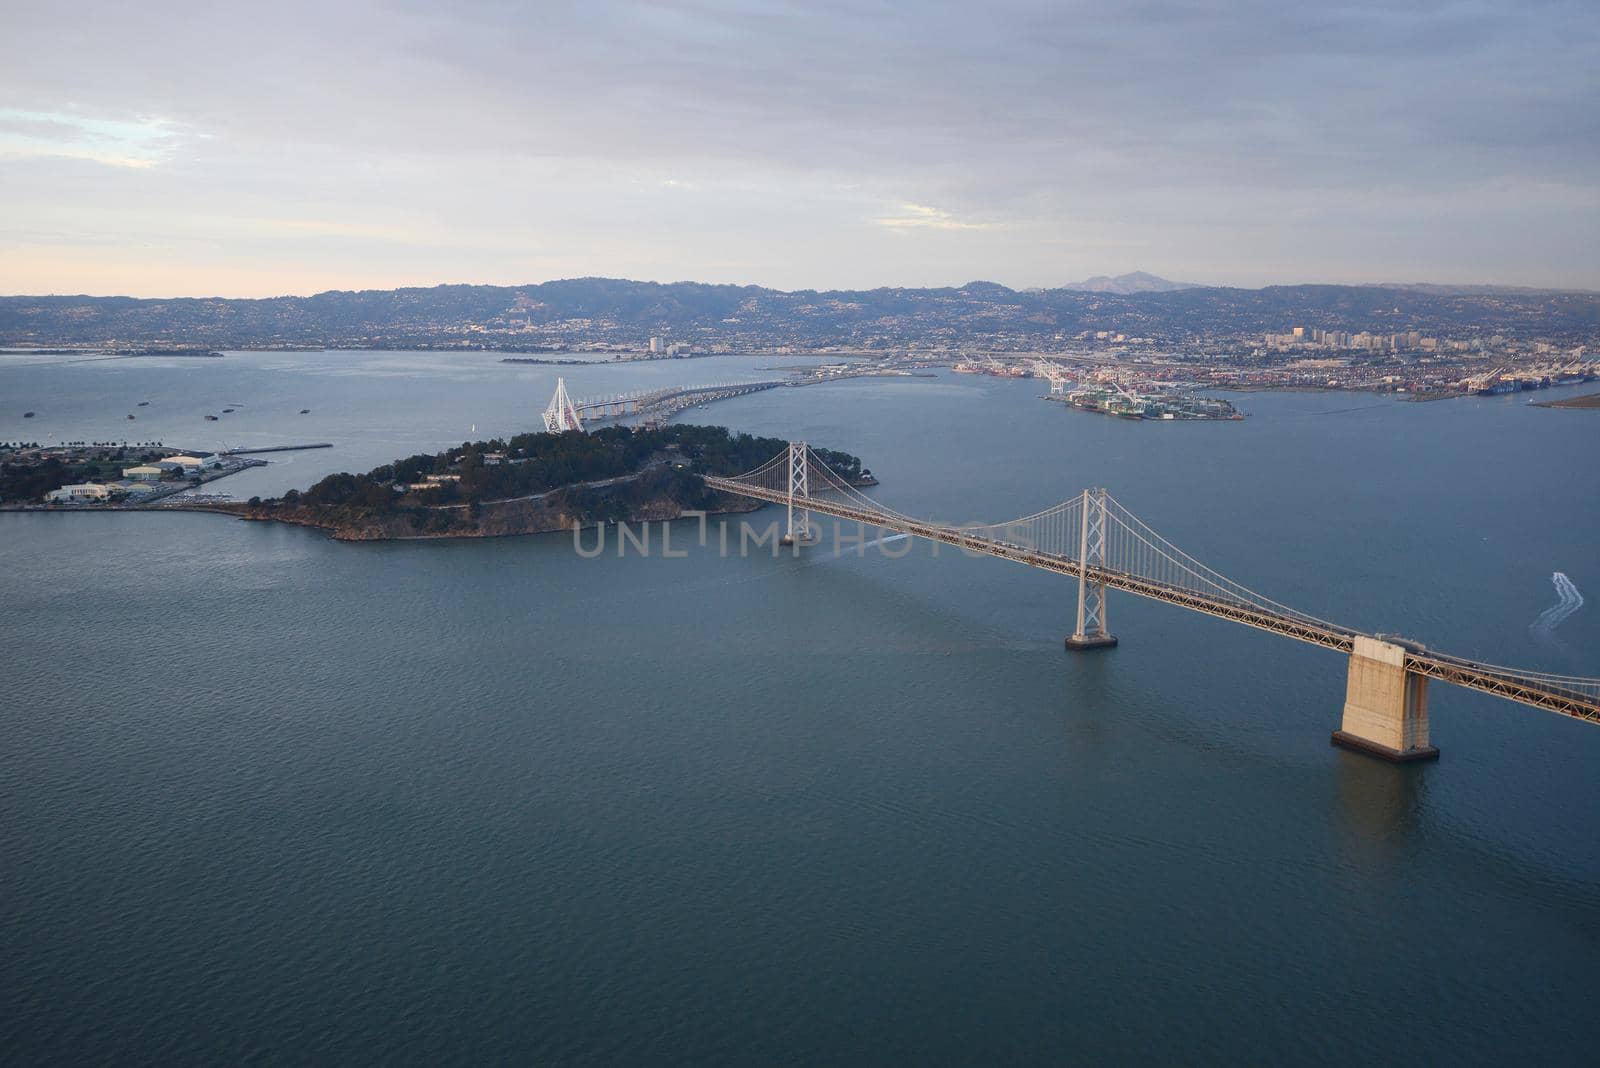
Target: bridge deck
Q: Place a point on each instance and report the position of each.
(656, 398)
(1454, 670)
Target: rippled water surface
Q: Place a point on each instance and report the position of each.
(271, 798)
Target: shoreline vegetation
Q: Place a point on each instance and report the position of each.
(533, 484)
(1588, 400)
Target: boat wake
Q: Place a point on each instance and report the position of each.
(1568, 601)
(883, 541)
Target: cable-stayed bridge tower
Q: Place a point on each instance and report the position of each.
(561, 414)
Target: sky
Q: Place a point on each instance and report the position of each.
(190, 149)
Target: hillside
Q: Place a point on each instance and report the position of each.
(534, 483)
(620, 312)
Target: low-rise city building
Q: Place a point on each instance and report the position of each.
(81, 491)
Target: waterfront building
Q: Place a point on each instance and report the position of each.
(143, 473)
(82, 491)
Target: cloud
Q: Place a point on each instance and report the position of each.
(137, 143)
(1291, 136)
(923, 217)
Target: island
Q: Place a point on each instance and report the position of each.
(535, 483)
(1167, 405)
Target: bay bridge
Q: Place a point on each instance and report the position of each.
(1101, 544)
(564, 413)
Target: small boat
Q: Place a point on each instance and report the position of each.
(144, 404)
(27, 415)
(131, 415)
(211, 419)
(305, 411)
(227, 411)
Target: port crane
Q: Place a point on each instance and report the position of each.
(1054, 373)
(1483, 381)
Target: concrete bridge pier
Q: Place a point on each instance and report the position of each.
(1091, 632)
(1079, 642)
(1385, 706)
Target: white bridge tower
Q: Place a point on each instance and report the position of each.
(561, 414)
(1091, 632)
(800, 533)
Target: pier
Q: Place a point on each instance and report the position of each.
(276, 448)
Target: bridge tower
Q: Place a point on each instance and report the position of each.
(1091, 632)
(799, 487)
(561, 414)
(1385, 706)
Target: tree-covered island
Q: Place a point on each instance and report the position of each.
(535, 483)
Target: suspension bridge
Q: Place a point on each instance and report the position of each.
(564, 413)
(1101, 544)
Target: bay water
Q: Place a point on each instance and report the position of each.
(272, 798)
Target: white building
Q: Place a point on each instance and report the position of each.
(143, 473)
(82, 491)
(655, 344)
(189, 465)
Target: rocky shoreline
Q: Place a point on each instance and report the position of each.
(494, 519)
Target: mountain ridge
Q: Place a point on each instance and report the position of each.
(1130, 283)
(622, 312)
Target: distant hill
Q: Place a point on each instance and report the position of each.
(1475, 291)
(1125, 284)
(554, 315)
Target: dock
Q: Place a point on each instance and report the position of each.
(276, 448)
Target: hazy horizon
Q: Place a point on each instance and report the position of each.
(225, 150)
(781, 289)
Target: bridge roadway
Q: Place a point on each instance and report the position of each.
(1420, 661)
(643, 402)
